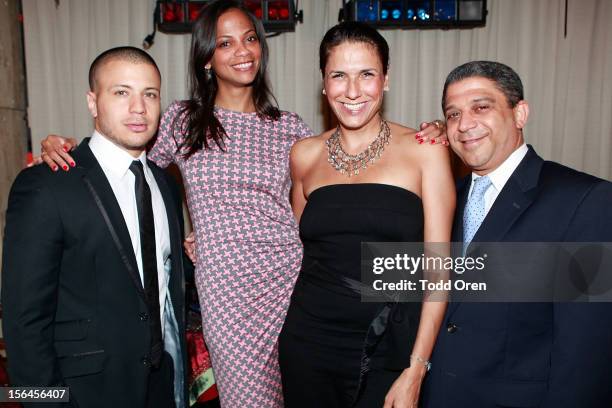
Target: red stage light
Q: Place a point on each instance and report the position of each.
(254, 7)
(278, 10)
(172, 13)
(178, 16)
(194, 11)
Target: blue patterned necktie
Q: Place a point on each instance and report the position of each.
(474, 211)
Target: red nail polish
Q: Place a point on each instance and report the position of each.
(433, 141)
(420, 141)
(72, 164)
(54, 168)
(65, 167)
(418, 135)
(65, 149)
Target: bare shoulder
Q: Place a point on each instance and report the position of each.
(402, 133)
(305, 152)
(309, 146)
(425, 154)
(403, 137)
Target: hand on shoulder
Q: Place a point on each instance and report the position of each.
(406, 141)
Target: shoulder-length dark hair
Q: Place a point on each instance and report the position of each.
(198, 113)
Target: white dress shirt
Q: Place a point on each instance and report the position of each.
(500, 176)
(115, 163)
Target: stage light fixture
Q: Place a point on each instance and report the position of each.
(277, 16)
(411, 14)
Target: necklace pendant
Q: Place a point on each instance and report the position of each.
(352, 164)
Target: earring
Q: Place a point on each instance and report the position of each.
(386, 88)
(208, 72)
(323, 92)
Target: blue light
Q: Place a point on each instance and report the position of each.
(410, 14)
(422, 14)
(446, 10)
(384, 14)
(365, 12)
(396, 14)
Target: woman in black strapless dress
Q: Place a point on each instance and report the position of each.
(334, 350)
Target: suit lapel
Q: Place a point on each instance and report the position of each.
(463, 187)
(176, 239)
(517, 195)
(102, 193)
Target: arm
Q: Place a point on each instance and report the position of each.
(581, 358)
(54, 148)
(438, 195)
(296, 166)
(30, 273)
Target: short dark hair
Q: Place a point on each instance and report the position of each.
(505, 78)
(126, 53)
(355, 32)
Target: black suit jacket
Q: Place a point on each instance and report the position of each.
(74, 306)
(530, 354)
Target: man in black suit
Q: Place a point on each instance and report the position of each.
(518, 354)
(93, 281)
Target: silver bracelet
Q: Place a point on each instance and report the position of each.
(421, 360)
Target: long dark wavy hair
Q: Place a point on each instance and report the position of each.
(198, 113)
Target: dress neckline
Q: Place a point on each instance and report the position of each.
(222, 109)
(362, 185)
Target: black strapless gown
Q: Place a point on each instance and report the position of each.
(328, 328)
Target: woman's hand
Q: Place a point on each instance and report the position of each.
(404, 393)
(189, 245)
(54, 151)
(433, 132)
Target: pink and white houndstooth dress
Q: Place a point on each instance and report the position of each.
(247, 243)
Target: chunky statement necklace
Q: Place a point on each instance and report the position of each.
(352, 164)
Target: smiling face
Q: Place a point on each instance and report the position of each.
(237, 55)
(482, 128)
(125, 103)
(354, 83)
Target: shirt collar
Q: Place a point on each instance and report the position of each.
(111, 156)
(500, 176)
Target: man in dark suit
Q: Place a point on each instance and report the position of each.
(93, 281)
(518, 354)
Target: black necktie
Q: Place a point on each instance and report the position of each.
(149, 260)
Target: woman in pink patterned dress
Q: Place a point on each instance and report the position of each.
(232, 146)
